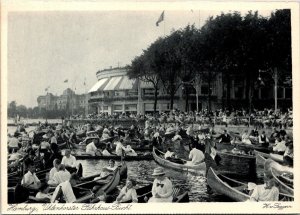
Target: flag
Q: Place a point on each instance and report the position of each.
(161, 18)
(66, 81)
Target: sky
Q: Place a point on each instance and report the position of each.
(46, 48)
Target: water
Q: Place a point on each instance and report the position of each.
(141, 171)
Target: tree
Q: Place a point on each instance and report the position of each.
(12, 109)
(140, 69)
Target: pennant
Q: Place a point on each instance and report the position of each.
(161, 18)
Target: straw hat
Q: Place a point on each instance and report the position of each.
(251, 186)
(159, 171)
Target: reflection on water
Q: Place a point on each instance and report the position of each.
(141, 171)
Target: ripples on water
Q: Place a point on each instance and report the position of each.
(141, 171)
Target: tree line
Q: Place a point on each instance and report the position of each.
(21, 111)
(228, 44)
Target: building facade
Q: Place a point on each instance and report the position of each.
(114, 92)
(68, 101)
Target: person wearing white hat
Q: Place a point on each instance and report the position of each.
(129, 151)
(162, 187)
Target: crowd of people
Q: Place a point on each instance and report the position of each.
(40, 149)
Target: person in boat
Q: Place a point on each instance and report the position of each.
(263, 140)
(196, 156)
(224, 138)
(111, 167)
(253, 136)
(273, 135)
(265, 192)
(73, 137)
(66, 190)
(156, 139)
(128, 192)
(288, 156)
(92, 149)
(105, 134)
(279, 147)
(162, 187)
(120, 149)
(44, 193)
(60, 176)
(177, 138)
(129, 151)
(44, 146)
(13, 143)
(69, 161)
(54, 169)
(30, 180)
(105, 151)
(169, 154)
(170, 130)
(245, 138)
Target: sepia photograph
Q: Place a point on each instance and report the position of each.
(110, 109)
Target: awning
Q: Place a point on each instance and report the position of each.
(144, 84)
(127, 84)
(98, 85)
(113, 83)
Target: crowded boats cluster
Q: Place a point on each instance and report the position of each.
(44, 164)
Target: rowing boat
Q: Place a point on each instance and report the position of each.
(159, 158)
(235, 190)
(82, 196)
(145, 192)
(107, 183)
(283, 187)
(237, 164)
(114, 157)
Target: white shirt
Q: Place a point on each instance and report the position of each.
(91, 148)
(52, 172)
(59, 177)
(119, 148)
(279, 147)
(168, 154)
(53, 140)
(71, 161)
(129, 194)
(45, 145)
(67, 192)
(260, 193)
(164, 188)
(30, 179)
(13, 142)
(105, 153)
(196, 155)
(176, 137)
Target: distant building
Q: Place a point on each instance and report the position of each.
(114, 92)
(68, 101)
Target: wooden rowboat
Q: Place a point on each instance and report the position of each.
(114, 157)
(107, 183)
(235, 190)
(145, 192)
(196, 169)
(237, 164)
(82, 196)
(283, 186)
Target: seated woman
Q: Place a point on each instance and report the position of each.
(129, 151)
(169, 154)
(288, 156)
(92, 149)
(245, 138)
(265, 192)
(128, 192)
(61, 176)
(279, 147)
(108, 169)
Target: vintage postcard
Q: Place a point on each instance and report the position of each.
(149, 107)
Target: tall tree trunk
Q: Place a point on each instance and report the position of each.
(155, 98)
(186, 100)
(228, 85)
